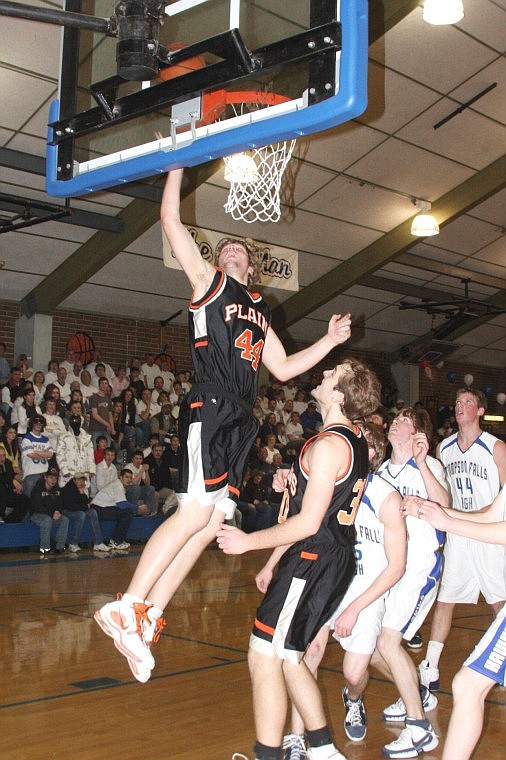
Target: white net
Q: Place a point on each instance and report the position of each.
(255, 182)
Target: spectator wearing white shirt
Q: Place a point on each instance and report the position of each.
(145, 410)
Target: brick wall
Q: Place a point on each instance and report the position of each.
(8, 314)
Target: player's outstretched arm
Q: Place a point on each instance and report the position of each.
(487, 525)
(284, 367)
(325, 460)
(264, 576)
(395, 542)
(185, 249)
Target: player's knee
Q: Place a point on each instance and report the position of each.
(353, 674)
(459, 684)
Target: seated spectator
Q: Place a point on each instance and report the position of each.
(55, 425)
(111, 504)
(46, 511)
(258, 411)
(152, 440)
(39, 386)
(161, 479)
(106, 471)
(286, 412)
(12, 389)
(146, 409)
(118, 418)
(99, 452)
(9, 442)
(14, 505)
(167, 375)
(290, 388)
(25, 411)
(300, 402)
(140, 490)
(52, 369)
(129, 414)
(74, 453)
(175, 459)
(120, 382)
(157, 390)
(97, 359)
(163, 423)
(87, 388)
(76, 507)
(257, 514)
(62, 384)
(74, 373)
(149, 370)
(3, 425)
(176, 393)
(311, 420)
(270, 446)
(294, 433)
(136, 382)
(268, 428)
(36, 453)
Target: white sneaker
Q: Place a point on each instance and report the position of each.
(122, 545)
(102, 548)
(396, 713)
(412, 741)
(74, 548)
(123, 622)
(294, 747)
(429, 675)
(315, 753)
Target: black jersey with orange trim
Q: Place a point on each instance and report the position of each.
(228, 326)
(338, 523)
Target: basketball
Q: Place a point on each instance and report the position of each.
(178, 69)
(83, 346)
(166, 358)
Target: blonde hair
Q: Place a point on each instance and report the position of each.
(251, 249)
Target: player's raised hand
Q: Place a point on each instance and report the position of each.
(340, 328)
(420, 447)
(231, 540)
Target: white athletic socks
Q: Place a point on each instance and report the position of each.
(434, 649)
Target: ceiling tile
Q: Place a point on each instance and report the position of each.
(495, 253)
(31, 46)
(21, 95)
(466, 235)
(493, 104)
(410, 169)
(339, 147)
(492, 210)
(487, 22)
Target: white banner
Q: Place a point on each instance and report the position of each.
(280, 266)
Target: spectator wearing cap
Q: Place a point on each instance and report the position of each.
(36, 452)
(311, 420)
(46, 511)
(74, 452)
(76, 507)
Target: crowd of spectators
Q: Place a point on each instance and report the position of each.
(109, 438)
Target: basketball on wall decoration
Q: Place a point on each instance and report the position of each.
(83, 346)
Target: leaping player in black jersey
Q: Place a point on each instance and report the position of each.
(315, 547)
(230, 332)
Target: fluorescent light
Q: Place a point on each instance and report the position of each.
(441, 12)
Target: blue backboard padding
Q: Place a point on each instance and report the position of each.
(350, 101)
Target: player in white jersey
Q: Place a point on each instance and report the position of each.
(475, 465)
(411, 471)
(486, 665)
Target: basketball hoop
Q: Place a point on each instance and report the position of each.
(255, 182)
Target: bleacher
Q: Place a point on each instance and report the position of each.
(14, 535)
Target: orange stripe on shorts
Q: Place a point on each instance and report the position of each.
(263, 627)
(196, 404)
(308, 555)
(201, 344)
(213, 481)
(234, 490)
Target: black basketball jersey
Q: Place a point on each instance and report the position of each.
(338, 523)
(227, 327)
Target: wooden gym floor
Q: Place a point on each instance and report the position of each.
(67, 693)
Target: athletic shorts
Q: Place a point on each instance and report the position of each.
(470, 567)
(217, 432)
(367, 628)
(409, 601)
(489, 655)
(310, 582)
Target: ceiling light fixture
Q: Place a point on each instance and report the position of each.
(441, 12)
(424, 224)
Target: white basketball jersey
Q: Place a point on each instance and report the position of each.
(369, 549)
(472, 474)
(423, 539)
